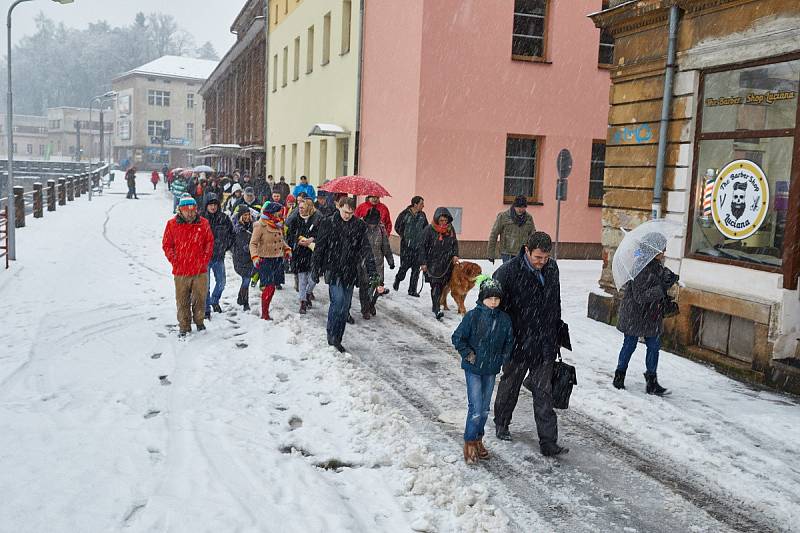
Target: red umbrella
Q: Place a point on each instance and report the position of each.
(187, 173)
(358, 185)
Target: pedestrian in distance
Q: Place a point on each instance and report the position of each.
(438, 253)
(188, 244)
(179, 188)
(165, 173)
(306, 187)
(233, 200)
(154, 178)
(303, 227)
(267, 251)
(410, 225)
(532, 298)
(325, 204)
(484, 340)
(513, 226)
(644, 304)
(262, 189)
(130, 180)
(373, 202)
(282, 188)
(341, 246)
(222, 228)
(242, 263)
(379, 246)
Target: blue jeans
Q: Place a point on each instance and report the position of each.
(245, 283)
(629, 346)
(218, 268)
(506, 258)
(339, 310)
(479, 398)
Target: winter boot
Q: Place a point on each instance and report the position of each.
(350, 319)
(266, 297)
(483, 453)
(240, 297)
(502, 432)
(470, 452)
(303, 307)
(551, 450)
(217, 308)
(208, 314)
(308, 301)
(396, 284)
(619, 379)
(652, 385)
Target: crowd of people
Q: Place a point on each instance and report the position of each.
(309, 235)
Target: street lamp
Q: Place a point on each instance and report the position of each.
(109, 94)
(11, 215)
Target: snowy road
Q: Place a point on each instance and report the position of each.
(110, 424)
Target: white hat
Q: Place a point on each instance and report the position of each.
(236, 187)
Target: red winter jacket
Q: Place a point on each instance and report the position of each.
(188, 245)
(155, 177)
(386, 219)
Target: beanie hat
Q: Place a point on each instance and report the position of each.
(187, 201)
(212, 199)
(489, 287)
(249, 190)
(290, 198)
(236, 187)
(271, 207)
(520, 201)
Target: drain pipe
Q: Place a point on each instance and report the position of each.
(266, 87)
(357, 140)
(666, 107)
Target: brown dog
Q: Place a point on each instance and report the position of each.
(461, 281)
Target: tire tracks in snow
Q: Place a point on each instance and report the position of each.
(721, 507)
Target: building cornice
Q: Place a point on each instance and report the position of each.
(638, 14)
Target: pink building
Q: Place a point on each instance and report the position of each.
(468, 102)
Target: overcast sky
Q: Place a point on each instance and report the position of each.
(208, 20)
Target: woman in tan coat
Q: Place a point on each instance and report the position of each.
(267, 250)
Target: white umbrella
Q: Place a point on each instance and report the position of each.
(203, 168)
(640, 246)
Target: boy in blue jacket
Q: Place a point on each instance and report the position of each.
(484, 339)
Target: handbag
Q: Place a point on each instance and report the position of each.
(564, 378)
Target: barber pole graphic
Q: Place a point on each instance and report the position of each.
(708, 193)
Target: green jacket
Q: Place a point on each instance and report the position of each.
(512, 236)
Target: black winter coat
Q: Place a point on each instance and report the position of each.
(242, 263)
(411, 229)
(341, 246)
(222, 228)
(302, 256)
(641, 312)
(262, 190)
(436, 251)
(535, 309)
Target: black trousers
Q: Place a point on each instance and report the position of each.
(409, 261)
(508, 393)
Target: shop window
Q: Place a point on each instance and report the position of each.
(743, 175)
(596, 172)
(326, 39)
(520, 174)
(347, 8)
(605, 56)
(729, 335)
(310, 51)
(530, 26)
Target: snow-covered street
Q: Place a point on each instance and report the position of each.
(108, 422)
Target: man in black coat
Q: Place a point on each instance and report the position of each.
(341, 246)
(410, 225)
(222, 228)
(532, 297)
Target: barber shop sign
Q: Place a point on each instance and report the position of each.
(740, 199)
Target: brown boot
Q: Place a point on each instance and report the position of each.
(470, 452)
(483, 453)
(303, 307)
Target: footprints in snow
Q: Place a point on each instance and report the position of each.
(151, 413)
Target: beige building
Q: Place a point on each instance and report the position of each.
(159, 112)
(64, 124)
(312, 100)
(30, 137)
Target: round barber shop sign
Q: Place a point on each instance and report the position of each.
(740, 199)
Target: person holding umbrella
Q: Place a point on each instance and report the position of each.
(374, 202)
(644, 304)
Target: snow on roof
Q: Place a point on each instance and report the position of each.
(176, 67)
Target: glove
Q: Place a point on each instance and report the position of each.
(391, 267)
(491, 260)
(471, 358)
(256, 262)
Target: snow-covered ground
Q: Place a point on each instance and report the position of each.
(108, 423)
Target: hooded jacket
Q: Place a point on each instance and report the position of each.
(488, 334)
(437, 250)
(188, 245)
(222, 228)
(386, 219)
(240, 250)
(297, 226)
(641, 312)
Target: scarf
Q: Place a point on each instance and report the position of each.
(536, 271)
(519, 220)
(273, 221)
(442, 230)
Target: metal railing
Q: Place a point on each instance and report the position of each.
(4, 235)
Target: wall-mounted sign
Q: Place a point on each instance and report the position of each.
(753, 98)
(124, 103)
(740, 199)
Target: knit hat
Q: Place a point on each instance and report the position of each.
(290, 198)
(489, 287)
(211, 198)
(187, 201)
(271, 208)
(236, 187)
(520, 201)
(249, 190)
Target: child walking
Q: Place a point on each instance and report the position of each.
(484, 339)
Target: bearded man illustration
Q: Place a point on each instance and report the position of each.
(738, 202)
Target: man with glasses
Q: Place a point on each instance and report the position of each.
(341, 246)
(532, 297)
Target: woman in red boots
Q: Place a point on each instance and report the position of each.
(267, 250)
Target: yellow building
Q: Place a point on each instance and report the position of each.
(312, 99)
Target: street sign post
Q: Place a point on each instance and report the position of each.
(564, 168)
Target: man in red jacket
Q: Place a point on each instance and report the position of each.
(373, 202)
(188, 244)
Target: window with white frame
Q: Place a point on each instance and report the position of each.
(190, 100)
(155, 128)
(158, 98)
